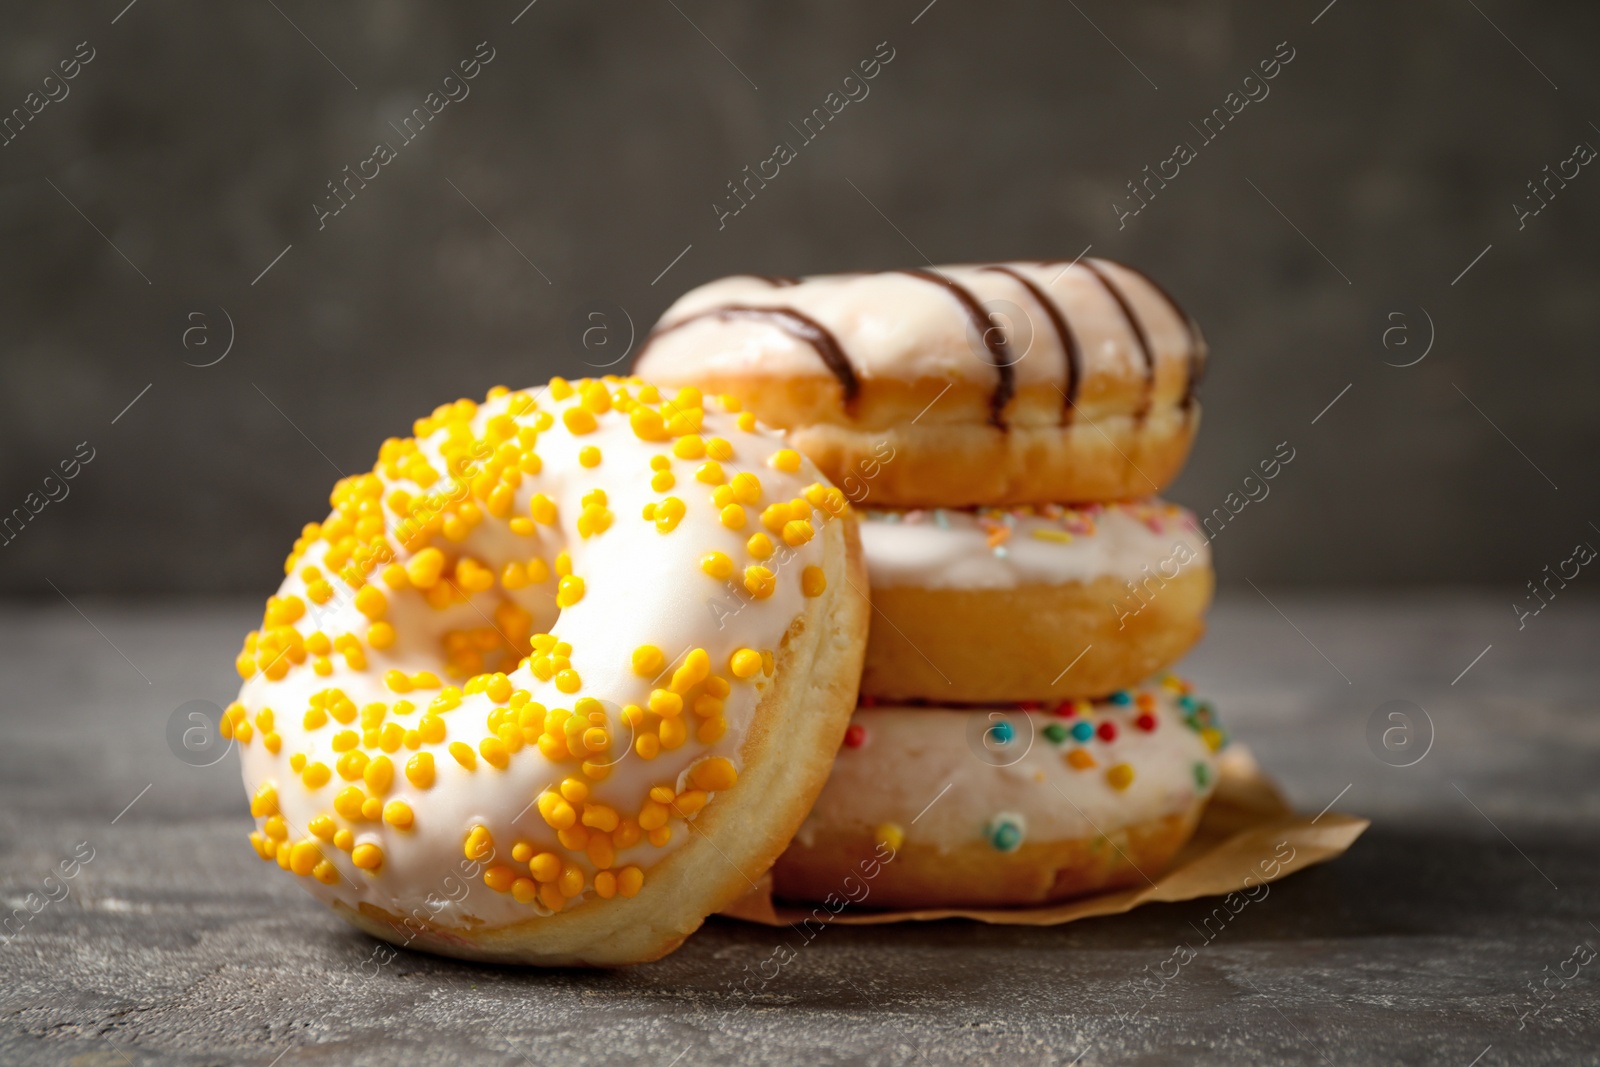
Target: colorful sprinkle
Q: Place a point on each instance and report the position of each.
(1005, 832)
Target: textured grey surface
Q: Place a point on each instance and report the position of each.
(176, 945)
(598, 139)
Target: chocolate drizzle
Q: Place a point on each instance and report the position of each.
(1073, 368)
(1139, 335)
(993, 339)
(797, 325)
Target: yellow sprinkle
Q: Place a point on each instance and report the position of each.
(774, 516)
(479, 844)
(672, 732)
(666, 703)
(668, 514)
(746, 421)
(661, 481)
(543, 509)
(647, 660)
(569, 591)
(316, 776)
(579, 420)
(380, 635)
(378, 774)
(745, 663)
(689, 446)
(371, 602)
(760, 546)
(696, 666)
(265, 802)
(759, 581)
(629, 881)
(349, 801)
(419, 770)
(647, 424)
(709, 472)
(746, 487)
(556, 811)
(464, 754)
(785, 459)
(425, 567)
(732, 517)
(546, 866)
(890, 834)
(303, 856)
(1120, 776)
(717, 565)
(797, 533)
(589, 456)
(813, 582)
(494, 752)
(714, 774)
(1045, 533)
(397, 813)
(368, 857)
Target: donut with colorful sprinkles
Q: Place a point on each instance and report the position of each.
(558, 678)
(1009, 805)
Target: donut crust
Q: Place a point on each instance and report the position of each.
(921, 875)
(922, 642)
(734, 840)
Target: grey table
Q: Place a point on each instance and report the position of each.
(1424, 944)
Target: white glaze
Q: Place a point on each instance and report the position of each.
(894, 325)
(951, 549)
(643, 587)
(909, 755)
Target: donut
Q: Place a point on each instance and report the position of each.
(557, 678)
(962, 386)
(1003, 806)
(1044, 603)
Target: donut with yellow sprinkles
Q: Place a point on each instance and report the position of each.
(558, 678)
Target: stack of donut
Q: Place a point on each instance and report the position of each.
(1002, 431)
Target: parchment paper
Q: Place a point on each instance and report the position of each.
(1247, 830)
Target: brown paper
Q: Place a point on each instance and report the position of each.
(1244, 828)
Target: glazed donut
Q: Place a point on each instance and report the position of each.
(991, 385)
(557, 678)
(987, 806)
(1030, 604)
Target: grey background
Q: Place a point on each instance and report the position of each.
(200, 136)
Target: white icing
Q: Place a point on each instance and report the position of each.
(643, 587)
(895, 325)
(951, 549)
(908, 756)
